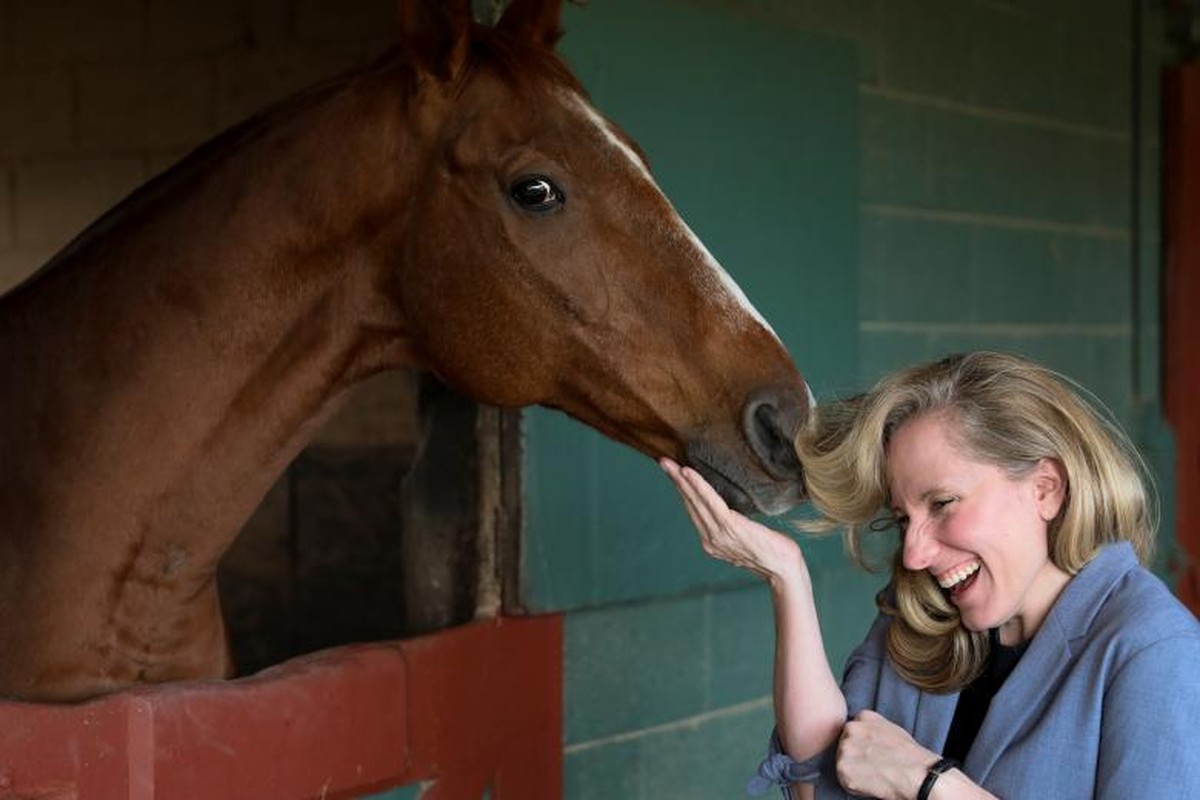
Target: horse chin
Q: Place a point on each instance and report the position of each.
(744, 494)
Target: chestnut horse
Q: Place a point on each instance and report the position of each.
(458, 206)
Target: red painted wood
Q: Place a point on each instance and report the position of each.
(1181, 347)
(469, 709)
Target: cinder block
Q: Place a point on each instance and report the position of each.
(1108, 20)
(180, 28)
(69, 31)
(1005, 168)
(741, 644)
(18, 263)
(605, 771)
(885, 350)
(632, 667)
(705, 759)
(365, 20)
(1017, 61)
(162, 161)
(915, 269)
(56, 199)
(896, 152)
(710, 760)
(269, 21)
(846, 605)
(1093, 87)
(1095, 183)
(35, 110)
(927, 47)
(1080, 279)
(132, 107)
(860, 21)
(249, 81)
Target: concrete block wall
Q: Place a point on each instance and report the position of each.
(95, 98)
(996, 195)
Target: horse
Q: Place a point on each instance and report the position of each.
(457, 206)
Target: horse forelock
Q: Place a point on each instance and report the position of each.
(524, 66)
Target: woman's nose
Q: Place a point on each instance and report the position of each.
(919, 548)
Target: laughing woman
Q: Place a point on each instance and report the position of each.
(1021, 648)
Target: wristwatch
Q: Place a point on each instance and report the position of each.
(935, 772)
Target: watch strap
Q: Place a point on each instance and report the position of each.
(935, 772)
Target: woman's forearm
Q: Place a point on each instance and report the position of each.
(809, 706)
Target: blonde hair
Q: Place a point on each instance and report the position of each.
(1007, 411)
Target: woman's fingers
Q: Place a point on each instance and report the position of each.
(704, 490)
(699, 508)
(711, 526)
(724, 533)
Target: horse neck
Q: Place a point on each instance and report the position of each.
(178, 354)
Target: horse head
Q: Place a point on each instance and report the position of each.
(539, 263)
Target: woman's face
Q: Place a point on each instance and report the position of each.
(980, 533)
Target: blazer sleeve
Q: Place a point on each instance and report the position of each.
(1149, 728)
(860, 685)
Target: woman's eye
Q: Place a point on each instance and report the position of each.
(940, 504)
(537, 193)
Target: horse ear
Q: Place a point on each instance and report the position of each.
(533, 21)
(436, 35)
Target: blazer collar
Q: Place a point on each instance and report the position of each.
(1021, 697)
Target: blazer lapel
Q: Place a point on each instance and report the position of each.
(1020, 698)
(934, 714)
(1023, 696)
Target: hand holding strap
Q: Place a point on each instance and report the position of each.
(935, 772)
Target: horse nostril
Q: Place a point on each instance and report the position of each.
(771, 420)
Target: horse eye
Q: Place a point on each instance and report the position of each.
(538, 194)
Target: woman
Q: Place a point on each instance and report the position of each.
(1021, 650)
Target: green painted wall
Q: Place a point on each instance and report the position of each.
(1001, 195)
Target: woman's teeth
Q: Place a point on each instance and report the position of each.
(952, 579)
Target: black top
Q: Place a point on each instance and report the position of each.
(977, 696)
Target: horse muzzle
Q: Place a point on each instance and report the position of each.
(763, 474)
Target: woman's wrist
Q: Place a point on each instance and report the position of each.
(953, 784)
(788, 569)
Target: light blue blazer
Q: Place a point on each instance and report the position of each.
(1105, 703)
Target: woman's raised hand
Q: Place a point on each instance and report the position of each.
(728, 535)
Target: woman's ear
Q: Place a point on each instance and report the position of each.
(1049, 487)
